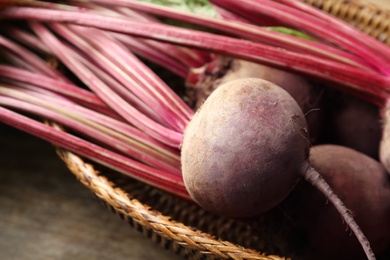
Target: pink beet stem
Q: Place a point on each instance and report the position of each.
(65, 88)
(128, 112)
(362, 37)
(21, 100)
(145, 50)
(106, 55)
(346, 76)
(44, 98)
(31, 59)
(248, 31)
(348, 40)
(120, 163)
(161, 94)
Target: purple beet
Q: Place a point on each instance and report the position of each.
(245, 150)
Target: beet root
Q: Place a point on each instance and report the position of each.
(234, 151)
(362, 184)
(353, 123)
(246, 148)
(307, 94)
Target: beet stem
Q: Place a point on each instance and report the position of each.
(330, 71)
(314, 178)
(47, 82)
(160, 179)
(30, 58)
(346, 37)
(248, 31)
(131, 114)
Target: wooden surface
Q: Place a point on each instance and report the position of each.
(45, 213)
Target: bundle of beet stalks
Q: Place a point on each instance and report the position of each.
(277, 94)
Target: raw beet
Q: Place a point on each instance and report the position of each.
(362, 183)
(248, 123)
(246, 148)
(354, 123)
(307, 94)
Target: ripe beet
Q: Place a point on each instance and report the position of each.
(353, 123)
(238, 127)
(246, 148)
(362, 184)
(307, 94)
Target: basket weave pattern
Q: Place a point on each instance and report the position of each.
(182, 239)
(177, 224)
(367, 17)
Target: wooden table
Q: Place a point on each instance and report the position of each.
(45, 213)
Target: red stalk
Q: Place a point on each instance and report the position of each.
(247, 18)
(144, 49)
(351, 78)
(227, 15)
(15, 60)
(147, 84)
(33, 88)
(65, 88)
(164, 54)
(332, 21)
(312, 25)
(26, 38)
(189, 57)
(128, 112)
(31, 59)
(247, 31)
(107, 121)
(113, 84)
(119, 64)
(23, 100)
(117, 162)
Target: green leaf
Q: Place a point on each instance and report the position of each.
(291, 32)
(201, 7)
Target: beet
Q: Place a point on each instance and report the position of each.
(250, 107)
(353, 123)
(307, 94)
(245, 150)
(363, 184)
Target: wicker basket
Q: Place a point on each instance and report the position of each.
(183, 227)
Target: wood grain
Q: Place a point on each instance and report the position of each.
(45, 213)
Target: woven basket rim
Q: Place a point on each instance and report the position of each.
(130, 207)
(368, 17)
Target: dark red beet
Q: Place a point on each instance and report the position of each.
(237, 129)
(246, 148)
(362, 184)
(307, 94)
(354, 123)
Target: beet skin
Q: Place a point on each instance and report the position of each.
(243, 150)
